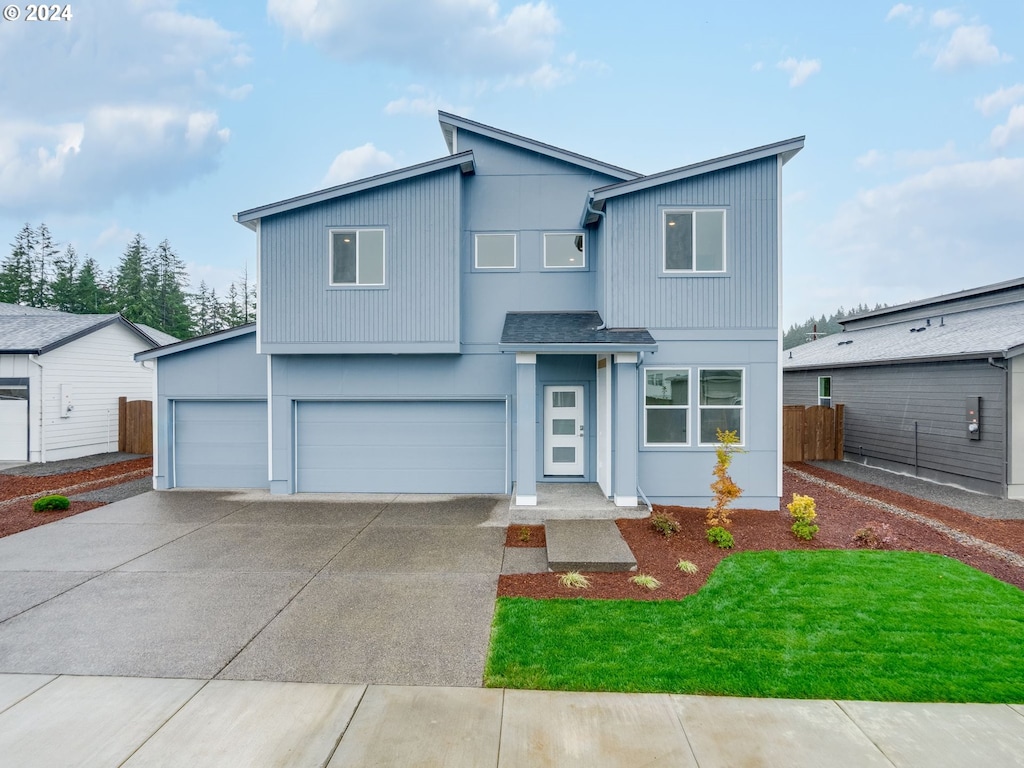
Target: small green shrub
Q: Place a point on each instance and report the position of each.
(51, 504)
(645, 581)
(574, 580)
(720, 537)
(664, 524)
(687, 567)
(803, 513)
(524, 534)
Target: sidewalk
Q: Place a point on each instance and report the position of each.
(112, 721)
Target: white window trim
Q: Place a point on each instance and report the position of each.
(693, 236)
(515, 249)
(358, 231)
(742, 407)
(821, 397)
(688, 407)
(583, 253)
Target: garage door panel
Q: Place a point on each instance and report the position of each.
(13, 430)
(404, 447)
(220, 444)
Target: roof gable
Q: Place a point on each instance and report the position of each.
(35, 331)
(198, 341)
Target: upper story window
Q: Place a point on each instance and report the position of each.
(564, 250)
(495, 251)
(694, 240)
(357, 257)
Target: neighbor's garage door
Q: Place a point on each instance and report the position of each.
(401, 447)
(220, 444)
(13, 423)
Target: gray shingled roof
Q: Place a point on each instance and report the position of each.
(988, 331)
(29, 330)
(568, 328)
(162, 339)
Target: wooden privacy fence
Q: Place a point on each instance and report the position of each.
(134, 425)
(812, 434)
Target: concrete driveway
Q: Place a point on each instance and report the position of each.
(389, 589)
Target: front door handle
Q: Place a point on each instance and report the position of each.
(581, 430)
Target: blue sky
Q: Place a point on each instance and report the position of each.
(166, 117)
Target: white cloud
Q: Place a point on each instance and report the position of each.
(1012, 130)
(800, 70)
(946, 17)
(128, 107)
(114, 150)
(900, 240)
(969, 46)
(439, 35)
(757, 66)
(113, 235)
(420, 105)
(908, 158)
(996, 102)
(358, 163)
(904, 11)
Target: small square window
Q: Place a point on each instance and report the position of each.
(357, 257)
(694, 241)
(495, 251)
(564, 250)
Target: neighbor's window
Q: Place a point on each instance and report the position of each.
(495, 251)
(694, 241)
(357, 257)
(825, 390)
(564, 250)
(666, 406)
(720, 403)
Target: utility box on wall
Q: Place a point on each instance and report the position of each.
(67, 404)
(973, 418)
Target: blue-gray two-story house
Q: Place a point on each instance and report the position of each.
(507, 315)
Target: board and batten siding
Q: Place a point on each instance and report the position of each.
(99, 368)
(419, 302)
(637, 294)
(882, 404)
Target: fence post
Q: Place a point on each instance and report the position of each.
(122, 423)
(839, 431)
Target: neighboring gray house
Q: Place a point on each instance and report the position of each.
(933, 387)
(507, 314)
(60, 377)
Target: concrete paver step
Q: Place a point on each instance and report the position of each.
(587, 545)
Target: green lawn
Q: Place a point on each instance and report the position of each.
(838, 624)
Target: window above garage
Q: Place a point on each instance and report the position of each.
(357, 257)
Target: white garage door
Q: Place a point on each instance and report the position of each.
(13, 424)
(401, 447)
(220, 444)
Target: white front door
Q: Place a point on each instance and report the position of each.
(564, 431)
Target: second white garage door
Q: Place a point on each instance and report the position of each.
(401, 447)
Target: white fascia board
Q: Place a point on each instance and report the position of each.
(199, 341)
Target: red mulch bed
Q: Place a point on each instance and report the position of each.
(839, 518)
(525, 536)
(18, 516)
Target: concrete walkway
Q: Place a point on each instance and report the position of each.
(52, 722)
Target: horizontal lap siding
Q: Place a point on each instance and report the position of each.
(634, 293)
(420, 300)
(883, 402)
(404, 446)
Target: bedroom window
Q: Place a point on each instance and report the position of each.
(495, 251)
(666, 406)
(694, 241)
(564, 250)
(357, 257)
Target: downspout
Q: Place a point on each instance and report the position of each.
(42, 432)
(636, 455)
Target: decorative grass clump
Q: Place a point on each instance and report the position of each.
(822, 624)
(574, 580)
(52, 503)
(687, 567)
(646, 581)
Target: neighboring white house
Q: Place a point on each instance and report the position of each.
(60, 377)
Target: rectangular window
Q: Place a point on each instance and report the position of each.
(694, 241)
(357, 257)
(495, 252)
(825, 390)
(720, 403)
(666, 406)
(564, 250)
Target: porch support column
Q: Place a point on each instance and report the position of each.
(624, 479)
(526, 429)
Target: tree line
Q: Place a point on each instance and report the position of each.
(814, 328)
(148, 286)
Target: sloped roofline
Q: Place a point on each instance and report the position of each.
(464, 160)
(935, 300)
(449, 122)
(75, 335)
(786, 149)
(198, 341)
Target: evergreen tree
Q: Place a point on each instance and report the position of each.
(171, 303)
(63, 289)
(16, 271)
(131, 297)
(43, 255)
(91, 294)
(234, 307)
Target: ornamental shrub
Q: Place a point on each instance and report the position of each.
(725, 490)
(803, 513)
(720, 537)
(873, 536)
(665, 524)
(51, 504)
